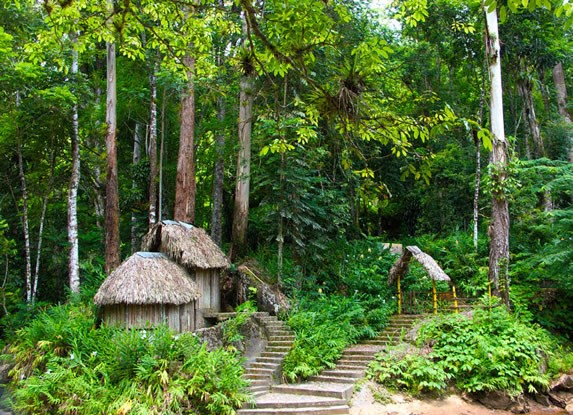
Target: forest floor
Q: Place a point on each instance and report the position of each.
(364, 403)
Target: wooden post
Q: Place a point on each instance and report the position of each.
(435, 292)
(455, 299)
(399, 297)
(489, 289)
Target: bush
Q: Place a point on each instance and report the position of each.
(64, 365)
(492, 351)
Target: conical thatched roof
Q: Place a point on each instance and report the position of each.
(147, 278)
(400, 268)
(186, 244)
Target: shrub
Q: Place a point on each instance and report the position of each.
(64, 365)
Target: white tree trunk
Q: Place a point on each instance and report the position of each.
(26, 226)
(74, 262)
(499, 226)
(136, 159)
(152, 216)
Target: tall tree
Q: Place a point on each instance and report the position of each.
(152, 217)
(73, 240)
(243, 179)
(112, 246)
(186, 187)
(499, 226)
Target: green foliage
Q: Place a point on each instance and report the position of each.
(412, 371)
(64, 365)
(232, 327)
(494, 350)
(327, 321)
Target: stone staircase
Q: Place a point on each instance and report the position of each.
(265, 370)
(329, 392)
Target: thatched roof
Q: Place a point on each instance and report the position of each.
(147, 278)
(186, 244)
(401, 266)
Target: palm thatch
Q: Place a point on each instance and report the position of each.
(401, 266)
(147, 278)
(186, 244)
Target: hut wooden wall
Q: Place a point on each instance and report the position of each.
(210, 294)
(177, 317)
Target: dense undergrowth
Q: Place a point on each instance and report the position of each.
(330, 314)
(493, 350)
(64, 365)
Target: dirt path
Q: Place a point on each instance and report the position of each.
(363, 403)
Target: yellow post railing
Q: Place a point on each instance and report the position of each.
(435, 292)
(455, 299)
(399, 297)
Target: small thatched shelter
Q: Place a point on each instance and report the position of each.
(401, 266)
(148, 289)
(192, 248)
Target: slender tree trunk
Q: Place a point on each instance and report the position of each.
(41, 227)
(525, 90)
(184, 209)
(74, 261)
(153, 147)
(243, 181)
(161, 152)
(26, 226)
(476, 191)
(135, 161)
(112, 246)
(219, 176)
(499, 226)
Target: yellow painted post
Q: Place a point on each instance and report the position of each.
(455, 299)
(435, 297)
(489, 289)
(399, 297)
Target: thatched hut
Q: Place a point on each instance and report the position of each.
(436, 273)
(148, 289)
(193, 249)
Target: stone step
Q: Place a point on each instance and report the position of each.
(270, 359)
(328, 410)
(274, 342)
(276, 355)
(325, 389)
(332, 379)
(264, 365)
(259, 390)
(282, 400)
(356, 374)
(289, 338)
(257, 376)
(283, 349)
(262, 383)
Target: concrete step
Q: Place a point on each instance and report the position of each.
(257, 376)
(356, 374)
(263, 365)
(332, 379)
(260, 371)
(362, 366)
(270, 359)
(286, 337)
(283, 400)
(324, 389)
(279, 355)
(282, 349)
(274, 342)
(259, 390)
(328, 410)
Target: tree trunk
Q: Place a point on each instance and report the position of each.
(153, 146)
(112, 246)
(499, 226)
(184, 209)
(74, 261)
(136, 159)
(41, 227)
(561, 91)
(161, 152)
(525, 89)
(477, 190)
(25, 223)
(219, 176)
(242, 186)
